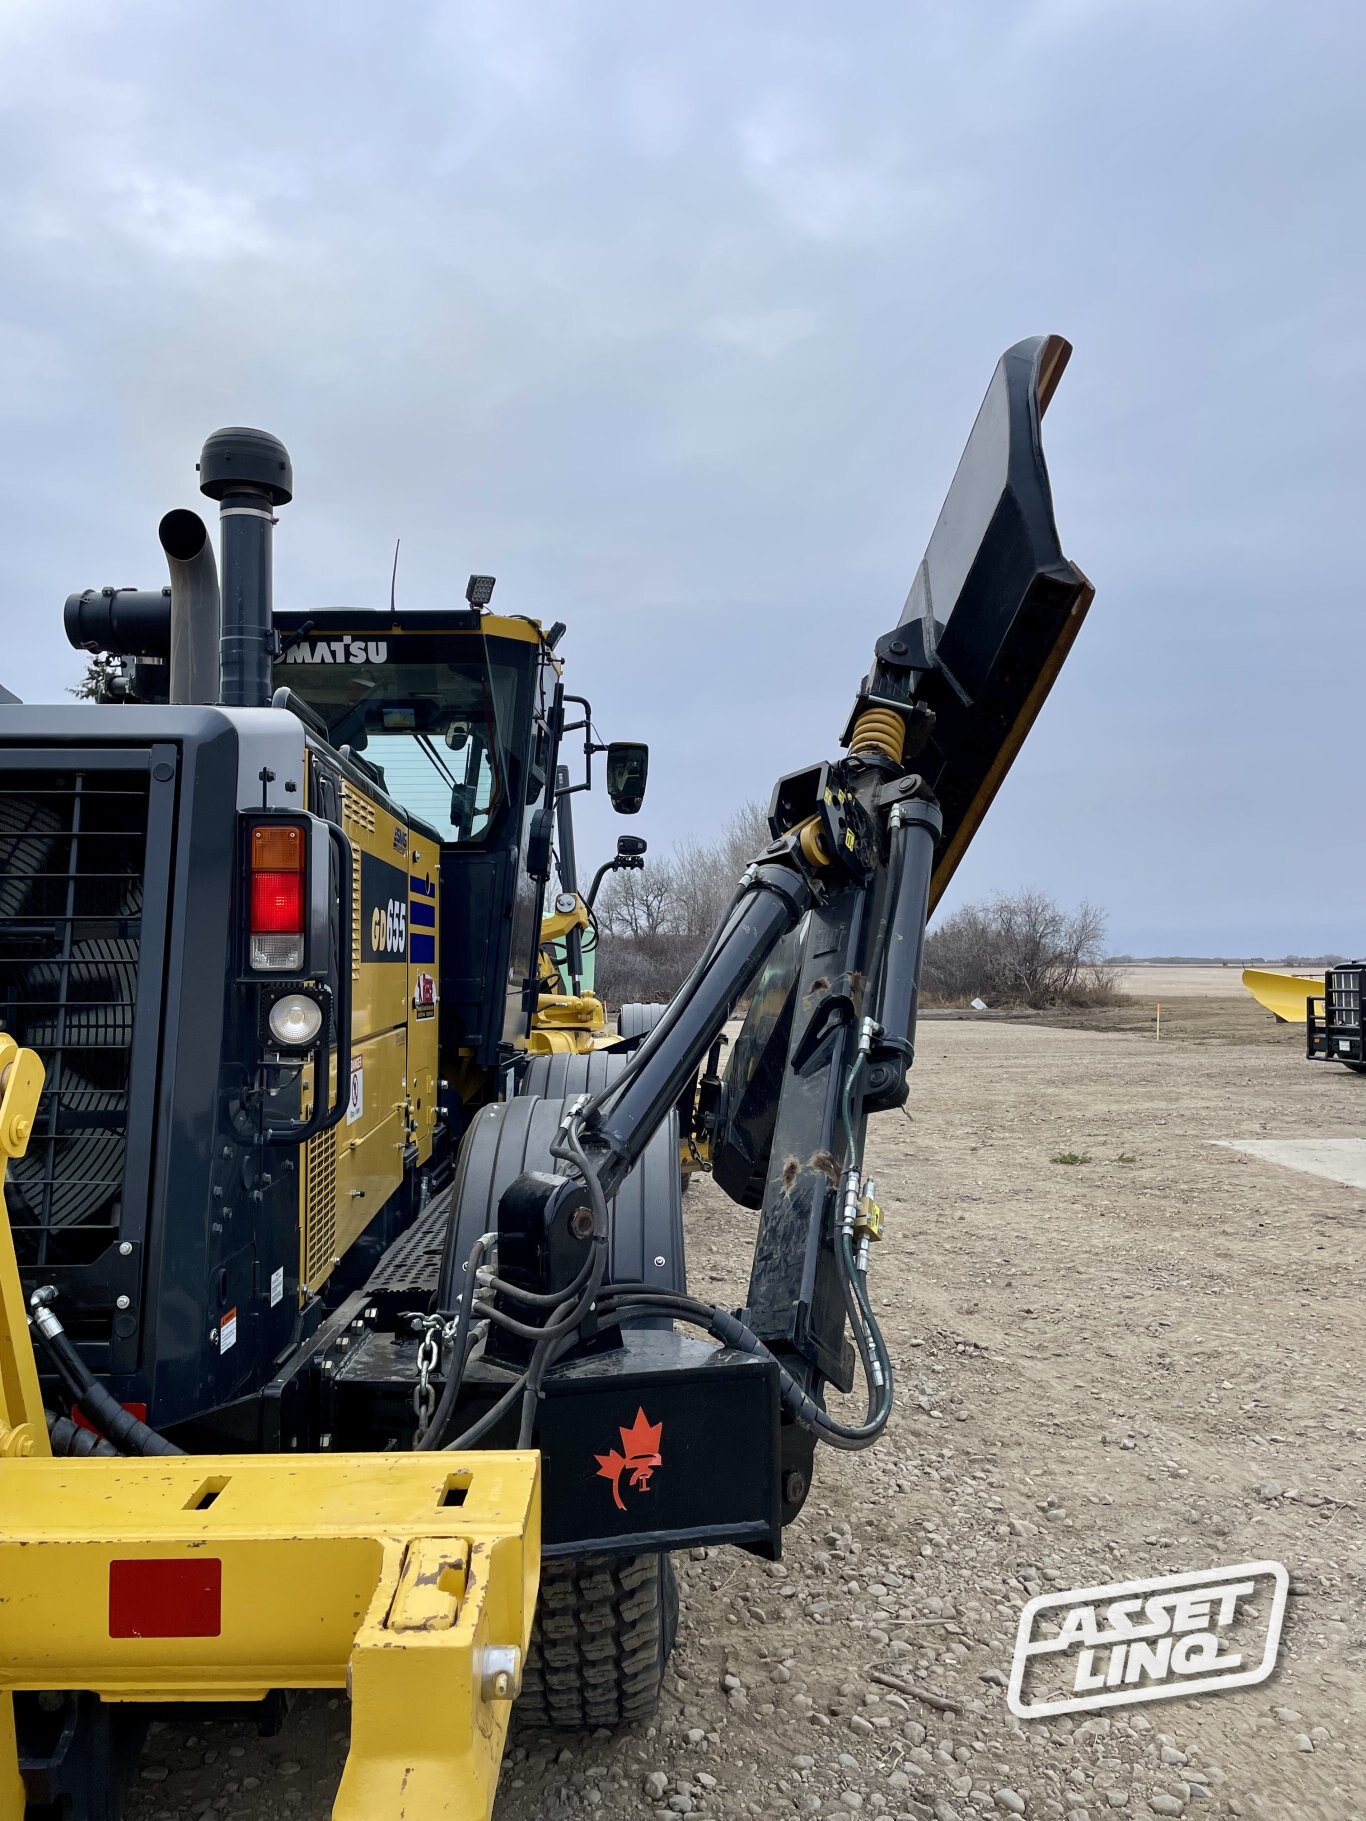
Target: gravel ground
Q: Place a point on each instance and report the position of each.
(1144, 1362)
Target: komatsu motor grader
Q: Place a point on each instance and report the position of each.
(345, 1332)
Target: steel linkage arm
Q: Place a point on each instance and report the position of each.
(864, 847)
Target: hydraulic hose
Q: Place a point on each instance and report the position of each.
(70, 1439)
(430, 1436)
(128, 1433)
(566, 1315)
(731, 1332)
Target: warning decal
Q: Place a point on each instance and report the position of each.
(355, 1106)
(227, 1331)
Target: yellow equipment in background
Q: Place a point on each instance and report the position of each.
(1283, 995)
(565, 1021)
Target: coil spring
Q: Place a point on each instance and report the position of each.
(879, 730)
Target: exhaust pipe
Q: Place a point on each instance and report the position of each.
(195, 609)
(248, 472)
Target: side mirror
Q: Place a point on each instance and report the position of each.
(628, 765)
(536, 770)
(630, 847)
(538, 843)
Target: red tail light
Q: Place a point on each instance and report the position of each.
(277, 904)
(277, 897)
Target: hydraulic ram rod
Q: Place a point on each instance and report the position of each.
(773, 901)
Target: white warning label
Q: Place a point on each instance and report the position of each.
(355, 1106)
(227, 1331)
(277, 1285)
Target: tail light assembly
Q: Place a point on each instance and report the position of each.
(278, 909)
(296, 918)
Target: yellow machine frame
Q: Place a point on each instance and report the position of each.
(410, 1580)
(565, 1022)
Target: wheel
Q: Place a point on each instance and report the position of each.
(638, 1020)
(565, 1073)
(604, 1630)
(1357, 1068)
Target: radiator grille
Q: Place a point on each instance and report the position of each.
(320, 1208)
(72, 857)
(1344, 998)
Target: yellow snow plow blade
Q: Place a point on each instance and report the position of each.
(407, 1579)
(1282, 994)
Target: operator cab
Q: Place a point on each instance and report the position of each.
(440, 717)
(452, 713)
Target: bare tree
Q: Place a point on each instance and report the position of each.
(1020, 949)
(638, 903)
(707, 873)
(654, 923)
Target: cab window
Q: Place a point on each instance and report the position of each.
(441, 735)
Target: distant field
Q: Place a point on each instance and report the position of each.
(1188, 982)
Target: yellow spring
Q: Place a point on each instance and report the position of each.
(880, 730)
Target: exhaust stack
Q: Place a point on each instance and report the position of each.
(195, 610)
(248, 472)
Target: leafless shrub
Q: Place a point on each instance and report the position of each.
(654, 923)
(1020, 949)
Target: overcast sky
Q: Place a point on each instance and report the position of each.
(675, 318)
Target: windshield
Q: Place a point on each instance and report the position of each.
(441, 734)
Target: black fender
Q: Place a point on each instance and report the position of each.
(638, 1020)
(503, 1140)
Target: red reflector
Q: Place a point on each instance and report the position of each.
(166, 1598)
(137, 1410)
(277, 904)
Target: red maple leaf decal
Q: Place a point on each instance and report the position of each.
(641, 1442)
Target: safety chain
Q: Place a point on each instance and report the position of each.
(435, 1332)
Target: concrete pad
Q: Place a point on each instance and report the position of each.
(1339, 1159)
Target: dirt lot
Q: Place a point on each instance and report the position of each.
(1145, 1362)
(1186, 1017)
(1154, 980)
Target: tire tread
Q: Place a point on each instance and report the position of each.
(602, 1637)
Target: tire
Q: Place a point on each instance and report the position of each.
(602, 1638)
(638, 1020)
(1357, 1068)
(564, 1074)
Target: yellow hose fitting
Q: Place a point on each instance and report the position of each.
(879, 730)
(868, 1220)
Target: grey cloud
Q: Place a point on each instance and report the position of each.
(676, 319)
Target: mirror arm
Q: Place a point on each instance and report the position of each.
(608, 866)
(590, 745)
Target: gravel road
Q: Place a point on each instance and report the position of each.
(1144, 1362)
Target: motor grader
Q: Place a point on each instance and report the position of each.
(345, 1333)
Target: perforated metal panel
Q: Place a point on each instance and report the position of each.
(320, 1208)
(358, 812)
